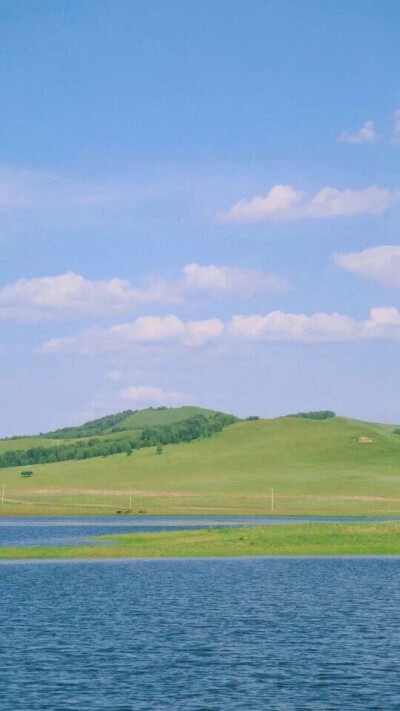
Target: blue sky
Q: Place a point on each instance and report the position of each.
(199, 203)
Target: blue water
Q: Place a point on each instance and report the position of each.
(67, 531)
(201, 635)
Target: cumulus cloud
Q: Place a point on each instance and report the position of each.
(147, 395)
(276, 326)
(284, 203)
(280, 326)
(146, 330)
(68, 295)
(318, 328)
(366, 134)
(381, 264)
(231, 280)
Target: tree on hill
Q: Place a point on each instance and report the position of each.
(315, 415)
(128, 449)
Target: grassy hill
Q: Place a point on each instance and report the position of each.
(128, 420)
(166, 416)
(25, 442)
(113, 434)
(338, 466)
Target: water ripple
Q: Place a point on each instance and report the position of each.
(223, 635)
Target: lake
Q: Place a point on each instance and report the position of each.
(200, 635)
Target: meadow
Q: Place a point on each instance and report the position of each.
(333, 467)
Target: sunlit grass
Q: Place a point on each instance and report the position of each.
(314, 467)
(307, 539)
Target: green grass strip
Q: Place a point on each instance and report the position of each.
(309, 539)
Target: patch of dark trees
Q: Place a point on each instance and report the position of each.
(185, 431)
(315, 415)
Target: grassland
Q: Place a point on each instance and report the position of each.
(314, 467)
(144, 418)
(285, 540)
(27, 442)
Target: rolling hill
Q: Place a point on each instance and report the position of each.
(114, 434)
(337, 466)
(129, 420)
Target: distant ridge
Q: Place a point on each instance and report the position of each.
(128, 420)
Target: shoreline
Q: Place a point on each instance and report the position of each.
(309, 539)
(183, 559)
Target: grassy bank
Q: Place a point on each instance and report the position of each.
(283, 540)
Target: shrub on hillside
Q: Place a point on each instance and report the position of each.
(315, 415)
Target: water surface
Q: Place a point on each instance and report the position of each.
(201, 635)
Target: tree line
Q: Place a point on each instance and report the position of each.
(315, 415)
(185, 431)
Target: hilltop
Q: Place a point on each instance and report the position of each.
(331, 466)
(129, 420)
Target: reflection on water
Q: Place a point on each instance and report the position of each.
(194, 635)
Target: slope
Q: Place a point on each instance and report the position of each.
(314, 467)
(163, 416)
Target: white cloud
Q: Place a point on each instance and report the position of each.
(280, 326)
(331, 202)
(285, 203)
(282, 202)
(198, 333)
(147, 395)
(276, 326)
(381, 264)
(68, 295)
(146, 330)
(383, 323)
(366, 134)
(231, 280)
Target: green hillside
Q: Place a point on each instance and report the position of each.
(128, 420)
(159, 427)
(336, 466)
(165, 416)
(20, 443)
